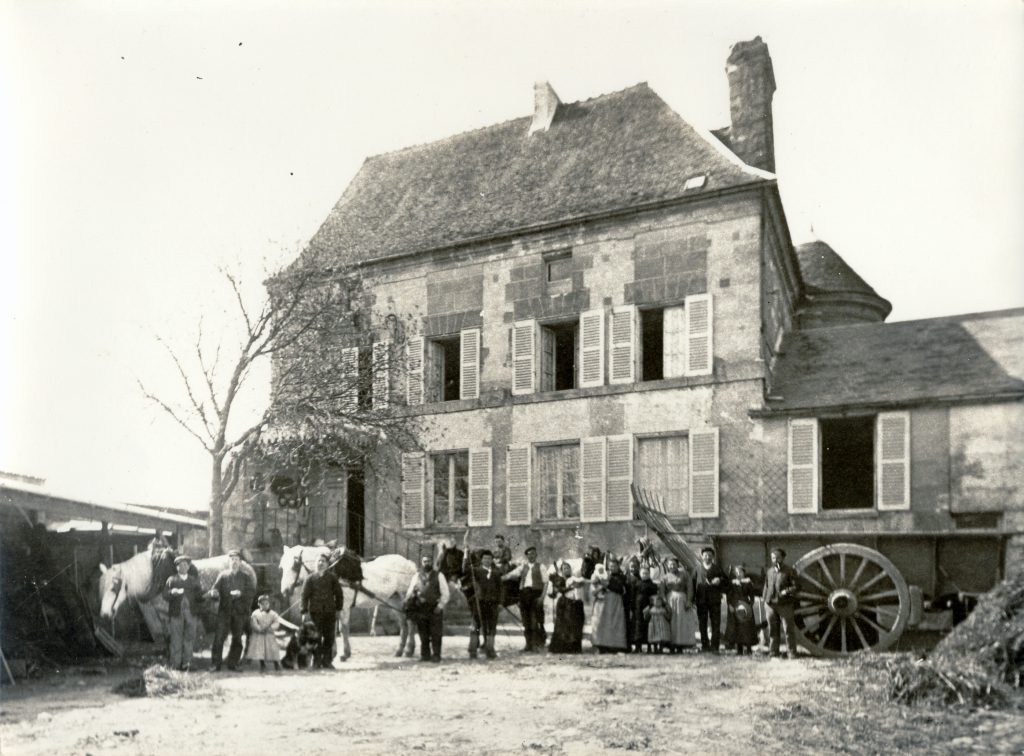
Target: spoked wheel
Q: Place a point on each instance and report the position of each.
(851, 599)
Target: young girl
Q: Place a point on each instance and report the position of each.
(659, 629)
(262, 641)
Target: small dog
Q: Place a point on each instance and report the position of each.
(301, 650)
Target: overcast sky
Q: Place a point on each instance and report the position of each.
(144, 144)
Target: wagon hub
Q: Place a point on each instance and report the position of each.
(843, 602)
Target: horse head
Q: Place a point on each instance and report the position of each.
(112, 590)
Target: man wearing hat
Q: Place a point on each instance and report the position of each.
(236, 590)
(531, 600)
(428, 593)
(482, 585)
(710, 582)
(781, 585)
(183, 595)
(322, 602)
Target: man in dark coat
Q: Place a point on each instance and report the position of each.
(425, 600)
(236, 590)
(481, 583)
(322, 602)
(633, 580)
(531, 584)
(781, 585)
(184, 596)
(709, 582)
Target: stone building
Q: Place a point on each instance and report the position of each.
(604, 294)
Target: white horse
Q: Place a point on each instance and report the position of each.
(386, 577)
(142, 577)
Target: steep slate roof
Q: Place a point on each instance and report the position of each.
(611, 152)
(959, 357)
(822, 269)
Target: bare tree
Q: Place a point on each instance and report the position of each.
(329, 390)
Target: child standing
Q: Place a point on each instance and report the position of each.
(262, 641)
(659, 628)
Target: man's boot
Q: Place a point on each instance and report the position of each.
(474, 643)
(489, 647)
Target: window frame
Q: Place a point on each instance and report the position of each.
(538, 491)
(452, 455)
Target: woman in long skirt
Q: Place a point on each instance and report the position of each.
(677, 593)
(567, 590)
(608, 626)
(740, 630)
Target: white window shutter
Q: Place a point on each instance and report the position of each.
(350, 379)
(674, 342)
(480, 487)
(469, 364)
(381, 371)
(892, 444)
(620, 474)
(517, 480)
(524, 357)
(413, 490)
(592, 348)
(803, 466)
(622, 366)
(699, 355)
(592, 484)
(704, 472)
(414, 370)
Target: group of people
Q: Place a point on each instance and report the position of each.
(631, 612)
(234, 589)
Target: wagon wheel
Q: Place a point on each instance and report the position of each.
(851, 599)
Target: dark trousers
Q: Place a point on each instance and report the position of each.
(710, 613)
(485, 621)
(782, 614)
(531, 609)
(235, 625)
(430, 628)
(325, 624)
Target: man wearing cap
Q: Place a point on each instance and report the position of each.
(183, 595)
(710, 582)
(780, 588)
(428, 591)
(531, 600)
(236, 590)
(482, 585)
(322, 602)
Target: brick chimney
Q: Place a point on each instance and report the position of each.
(751, 86)
(545, 103)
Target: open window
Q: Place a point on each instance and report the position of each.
(676, 340)
(558, 355)
(849, 463)
(445, 368)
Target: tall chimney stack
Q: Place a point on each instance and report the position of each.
(545, 103)
(751, 86)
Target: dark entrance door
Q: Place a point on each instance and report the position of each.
(356, 512)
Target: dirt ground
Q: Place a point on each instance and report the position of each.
(377, 704)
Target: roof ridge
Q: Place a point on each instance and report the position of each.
(499, 124)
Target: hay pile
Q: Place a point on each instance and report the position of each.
(159, 681)
(979, 664)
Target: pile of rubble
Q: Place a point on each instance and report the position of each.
(981, 663)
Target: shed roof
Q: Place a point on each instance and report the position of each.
(61, 507)
(955, 358)
(612, 152)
